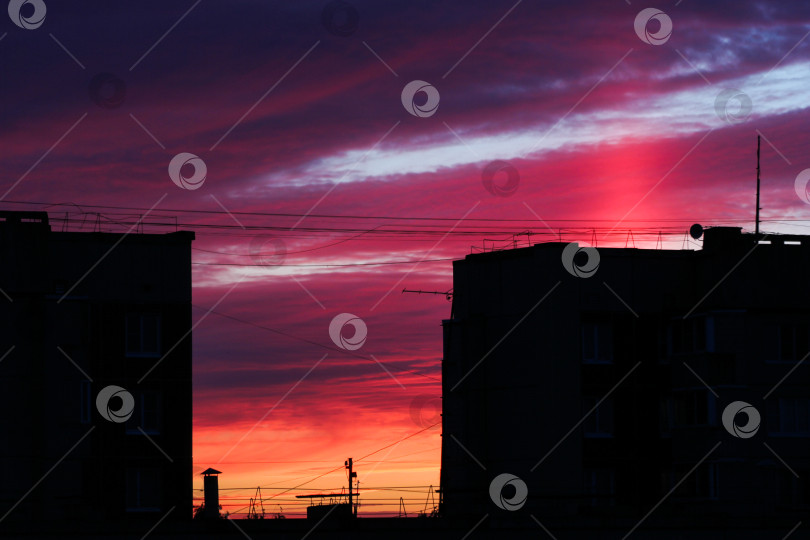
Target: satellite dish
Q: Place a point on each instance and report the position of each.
(696, 231)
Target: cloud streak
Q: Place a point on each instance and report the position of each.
(311, 136)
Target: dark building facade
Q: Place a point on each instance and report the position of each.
(95, 384)
(603, 389)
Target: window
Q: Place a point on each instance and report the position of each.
(85, 402)
(147, 414)
(598, 423)
(662, 344)
(597, 343)
(667, 479)
(143, 334)
(144, 490)
(695, 408)
(792, 344)
(794, 491)
(789, 416)
(703, 483)
(666, 416)
(598, 486)
(695, 334)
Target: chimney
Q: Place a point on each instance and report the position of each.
(211, 489)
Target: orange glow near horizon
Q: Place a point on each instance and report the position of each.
(303, 461)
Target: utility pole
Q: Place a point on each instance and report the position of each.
(352, 475)
(758, 170)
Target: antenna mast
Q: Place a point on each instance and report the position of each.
(352, 475)
(447, 294)
(757, 217)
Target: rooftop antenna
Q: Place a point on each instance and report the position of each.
(448, 294)
(430, 499)
(256, 503)
(757, 218)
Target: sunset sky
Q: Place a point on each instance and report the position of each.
(325, 195)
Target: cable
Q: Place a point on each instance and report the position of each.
(468, 229)
(311, 342)
(399, 441)
(253, 488)
(330, 461)
(292, 252)
(337, 216)
(383, 263)
(343, 466)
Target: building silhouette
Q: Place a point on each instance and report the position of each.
(83, 312)
(603, 388)
(587, 390)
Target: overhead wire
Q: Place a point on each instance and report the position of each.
(356, 460)
(329, 265)
(313, 342)
(345, 216)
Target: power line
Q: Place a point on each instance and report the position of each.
(317, 344)
(365, 488)
(465, 229)
(342, 466)
(374, 217)
(329, 265)
(395, 460)
(354, 237)
(399, 441)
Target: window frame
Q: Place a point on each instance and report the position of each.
(596, 417)
(777, 358)
(590, 490)
(679, 328)
(131, 352)
(707, 472)
(85, 402)
(606, 333)
(710, 405)
(138, 473)
(666, 415)
(136, 420)
(776, 416)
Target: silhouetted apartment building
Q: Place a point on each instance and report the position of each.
(662, 341)
(93, 326)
